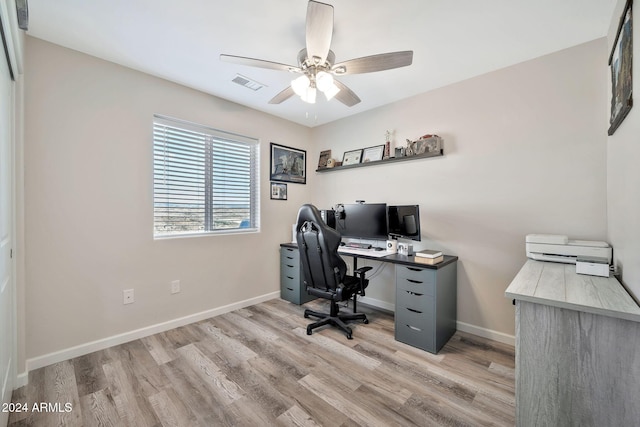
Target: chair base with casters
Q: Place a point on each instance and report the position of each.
(334, 318)
(355, 284)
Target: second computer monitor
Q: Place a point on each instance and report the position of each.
(363, 221)
(404, 222)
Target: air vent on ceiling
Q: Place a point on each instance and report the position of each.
(247, 82)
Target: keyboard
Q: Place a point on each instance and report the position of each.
(358, 245)
(365, 252)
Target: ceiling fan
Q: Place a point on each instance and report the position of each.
(316, 62)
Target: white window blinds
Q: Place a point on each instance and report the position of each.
(204, 180)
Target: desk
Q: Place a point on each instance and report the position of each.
(577, 347)
(426, 297)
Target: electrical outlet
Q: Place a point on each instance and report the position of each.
(175, 286)
(127, 296)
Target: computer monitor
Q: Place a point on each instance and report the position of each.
(404, 222)
(363, 221)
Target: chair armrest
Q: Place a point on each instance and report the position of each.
(362, 270)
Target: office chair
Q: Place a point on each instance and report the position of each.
(325, 271)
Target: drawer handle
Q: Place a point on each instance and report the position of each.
(414, 328)
(414, 269)
(291, 289)
(289, 257)
(290, 250)
(414, 293)
(414, 311)
(289, 277)
(417, 282)
(290, 266)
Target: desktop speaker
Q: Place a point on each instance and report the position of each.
(329, 217)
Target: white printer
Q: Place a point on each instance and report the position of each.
(558, 248)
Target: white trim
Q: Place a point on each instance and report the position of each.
(385, 305)
(22, 380)
(90, 347)
(12, 36)
(487, 333)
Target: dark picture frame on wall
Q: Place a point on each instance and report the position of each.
(278, 191)
(620, 63)
(288, 164)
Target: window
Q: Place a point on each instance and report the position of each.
(204, 180)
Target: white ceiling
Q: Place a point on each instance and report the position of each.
(452, 40)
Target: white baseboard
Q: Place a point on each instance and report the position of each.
(377, 303)
(101, 344)
(487, 333)
(22, 379)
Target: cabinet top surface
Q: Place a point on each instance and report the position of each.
(560, 286)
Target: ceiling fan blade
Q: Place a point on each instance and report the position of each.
(319, 31)
(346, 95)
(370, 64)
(282, 96)
(252, 62)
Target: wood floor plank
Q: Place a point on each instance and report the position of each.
(257, 366)
(130, 403)
(99, 410)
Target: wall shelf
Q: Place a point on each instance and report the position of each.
(384, 162)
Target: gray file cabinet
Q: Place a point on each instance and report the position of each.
(292, 287)
(425, 306)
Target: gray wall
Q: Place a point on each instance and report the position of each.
(88, 202)
(623, 179)
(525, 151)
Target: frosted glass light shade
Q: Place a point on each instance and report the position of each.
(300, 85)
(309, 95)
(324, 81)
(331, 91)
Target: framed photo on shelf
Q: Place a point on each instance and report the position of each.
(373, 154)
(324, 157)
(352, 157)
(278, 191)
(620, 62)
(288, 164)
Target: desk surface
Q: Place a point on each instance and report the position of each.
(393, 258)
(559, 285)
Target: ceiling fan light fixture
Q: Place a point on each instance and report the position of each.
(331, 91)
(309, 95)
(300, 85)
(324, 81)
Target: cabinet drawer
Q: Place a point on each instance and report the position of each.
(415, 336)
(414, 300)
(416, 273)
(289, 270)
(290, 281)
(290, 256)
(420, 320)
(290, 293)
(418, 283)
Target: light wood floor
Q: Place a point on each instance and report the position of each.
(257, 367)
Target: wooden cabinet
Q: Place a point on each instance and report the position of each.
(425, 306)
(292, 287)
(577, 348)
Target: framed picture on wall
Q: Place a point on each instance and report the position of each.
(620, 63)
(278, 191)
(288, 164)
(372, 154)
(352, 157)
